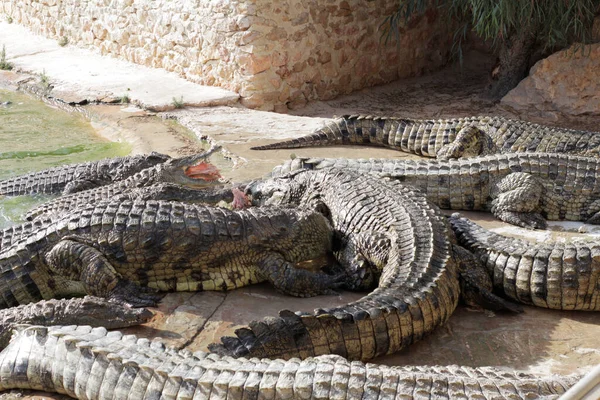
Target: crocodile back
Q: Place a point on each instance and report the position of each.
(165, 245)
(418, 288)
(571, 183)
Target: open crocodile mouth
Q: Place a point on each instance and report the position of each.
(203, 171)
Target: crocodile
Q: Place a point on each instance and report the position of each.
(171, 180)
(88, 310)
(386, 233)
(127, 250)
(448, 138)
(91, 363)
(76, 177)
(523, 189)
(163, 191)
(551, 275)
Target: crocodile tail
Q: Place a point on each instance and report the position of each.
(346, 130)
(359, 331)
(92, 363)
(334, 132)
(418, 291)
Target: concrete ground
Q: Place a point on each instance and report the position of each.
(539, 341)
(79, 75)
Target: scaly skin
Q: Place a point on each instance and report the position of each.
(119, 250)
(87, 363)
(170, 180)
(76, 177)
(448, 138)
(551, 275)
(14, 233)
(520, 189)
(88, 310)
(384, 229)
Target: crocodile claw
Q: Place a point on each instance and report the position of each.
(220, 349)
(327, 284)
(133, 295)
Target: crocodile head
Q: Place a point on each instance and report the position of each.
(192, 170)
(88, 310)
(96, 311)
(285, 189)
(122, 167)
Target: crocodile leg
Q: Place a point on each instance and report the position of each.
(470, 141)
(517, 199)
(289, 279)
(476, 285)
(364, 255)
(84, 263)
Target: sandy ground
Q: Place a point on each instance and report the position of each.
(540, 341)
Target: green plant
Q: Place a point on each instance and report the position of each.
(517, 29)
(178, 103)
(44, 82)
(63, 41)
(9, 19)
(4, 65)
(125, 99)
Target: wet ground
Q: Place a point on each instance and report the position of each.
(539, 341)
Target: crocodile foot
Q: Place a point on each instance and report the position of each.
(133, 295)
(470, 142)
(476, 284)
(249, 340)
(319, 284)
(476, 296)
(523, 219)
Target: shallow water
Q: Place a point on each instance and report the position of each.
(35, 136)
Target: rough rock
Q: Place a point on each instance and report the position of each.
(567, 82)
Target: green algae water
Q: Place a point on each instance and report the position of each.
(35, 136)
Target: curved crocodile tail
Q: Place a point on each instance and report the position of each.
(417, 292)
(412, 136)
(551, 275)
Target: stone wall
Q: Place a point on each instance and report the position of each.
(275, 54)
